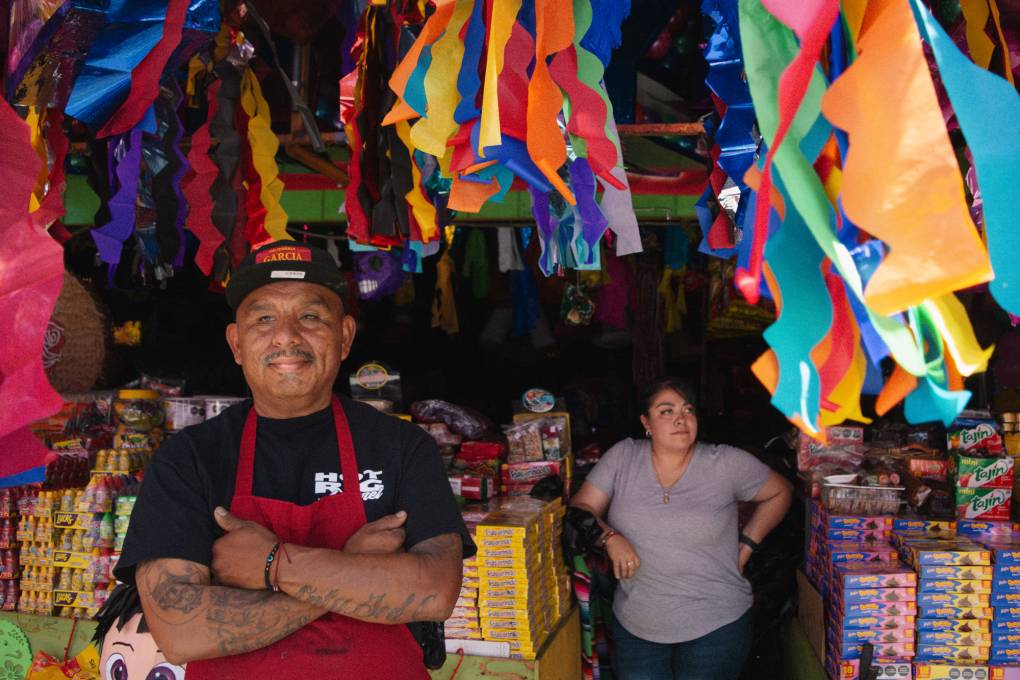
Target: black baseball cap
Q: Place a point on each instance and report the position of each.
(279, 262)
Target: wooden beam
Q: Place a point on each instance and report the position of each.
(661, 129)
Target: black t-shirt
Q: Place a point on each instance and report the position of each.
(296, 460)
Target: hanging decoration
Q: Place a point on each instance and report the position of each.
(855, 217)
(31, 275)
(527, 104)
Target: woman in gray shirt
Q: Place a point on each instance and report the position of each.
(668, 508)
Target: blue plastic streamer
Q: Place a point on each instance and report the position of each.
(677, 248)
(468, 81)
(36, 475)
(987, 107)
(133, 28)
(605, 35)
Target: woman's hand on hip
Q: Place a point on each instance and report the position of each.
(743, 556)
(625, 560)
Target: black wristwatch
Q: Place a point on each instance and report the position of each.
(753, 545)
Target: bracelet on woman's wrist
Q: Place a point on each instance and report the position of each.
(606, 536)
(748, 541)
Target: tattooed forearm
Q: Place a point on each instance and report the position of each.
(419, 585)
(375, 607)
(191, 619)
(173, 589)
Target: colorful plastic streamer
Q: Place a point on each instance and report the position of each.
(901, 180)
(31, 276)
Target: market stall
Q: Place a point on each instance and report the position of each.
(536, 207)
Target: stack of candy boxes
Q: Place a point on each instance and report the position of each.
(871, 602)
(1003, 543)
(827, 530)
(954, 604)
(869, 596)
(517, 579)
(464, 623)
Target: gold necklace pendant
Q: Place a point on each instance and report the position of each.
(665, 498)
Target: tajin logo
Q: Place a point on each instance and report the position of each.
(999, 468)
(996, 498)
(284, 254)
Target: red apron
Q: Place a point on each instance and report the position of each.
(332, 646)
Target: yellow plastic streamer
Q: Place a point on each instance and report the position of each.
(976, 13)
(901, 180)
(504, 15)
(431, 32)
(954, 326)
(853, 11)
(444, 307)
(674, 301)
(982, 48)
(847, 394)
(431, 133)
(422, 209)
(36, 120)
(264, 144)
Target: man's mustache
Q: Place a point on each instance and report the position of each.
(273, 356)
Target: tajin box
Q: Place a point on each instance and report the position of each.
(976, 473)
(984, 503)
(974, 434)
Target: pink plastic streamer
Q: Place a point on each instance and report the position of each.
(31, 274)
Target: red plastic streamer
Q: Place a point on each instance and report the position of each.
(811, 20)
(197, 185)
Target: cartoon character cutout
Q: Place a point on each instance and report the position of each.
(128, 650)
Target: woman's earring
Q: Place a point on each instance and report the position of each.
(648, 433)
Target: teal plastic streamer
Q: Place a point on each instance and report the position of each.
(804, 319)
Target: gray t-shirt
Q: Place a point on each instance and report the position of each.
(689, 583)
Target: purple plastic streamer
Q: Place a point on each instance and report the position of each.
(593, 221)
(111, 236)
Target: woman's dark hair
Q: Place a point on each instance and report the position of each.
(678, 385)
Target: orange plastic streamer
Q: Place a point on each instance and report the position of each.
(901, 180)
(554, 31)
